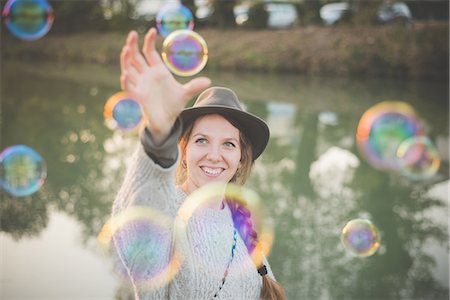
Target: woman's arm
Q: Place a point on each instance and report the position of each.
(143, 242)
(161, 96)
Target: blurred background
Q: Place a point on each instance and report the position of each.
(310, 68)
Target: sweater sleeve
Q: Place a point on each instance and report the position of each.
(145, 207)
(164, 154)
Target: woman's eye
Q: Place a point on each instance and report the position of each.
(200, 141)
(230, 144)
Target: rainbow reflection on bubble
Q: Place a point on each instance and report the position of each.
(382, 129)
(22, 170)
(172, 17)
(143, 239)
(419, 158)
(198, 204)
(28, 19)
(122, 112)
(360, 237)
(185, 52)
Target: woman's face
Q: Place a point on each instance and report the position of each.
(213, 152)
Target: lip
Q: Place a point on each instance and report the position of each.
(212, 171)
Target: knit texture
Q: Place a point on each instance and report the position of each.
(205, 245)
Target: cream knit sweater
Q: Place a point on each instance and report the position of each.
(206, 246)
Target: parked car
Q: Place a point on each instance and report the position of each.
(333, 12)
(397, 12)
(388, 12)
(270, 15)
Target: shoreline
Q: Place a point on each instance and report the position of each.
(420, 52)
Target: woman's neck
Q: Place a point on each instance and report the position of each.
(209, 203)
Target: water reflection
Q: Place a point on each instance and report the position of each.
(312, 178)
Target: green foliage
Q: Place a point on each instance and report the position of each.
(257, 16)
(78, 16)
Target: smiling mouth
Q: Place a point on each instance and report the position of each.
(212, 171)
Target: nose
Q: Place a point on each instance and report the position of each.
(214, 154)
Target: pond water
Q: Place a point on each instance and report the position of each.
(312, 180)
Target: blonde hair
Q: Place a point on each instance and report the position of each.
(270, 289)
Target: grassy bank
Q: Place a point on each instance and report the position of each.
(420, 52)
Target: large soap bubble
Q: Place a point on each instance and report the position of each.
(143, 239)
(360, 237)
(185, 52)
(418, 158)
(22, 170)
(172, 17)
(122, 112)
(245, 209)
(382, 129)
(28, 19)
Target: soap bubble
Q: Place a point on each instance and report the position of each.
(172, 17)
(122, 112)
(203, 204)
(360, 237)
(28, 19)
(185, 52)
(382, 129)
(23, 171)
(143, 239)
(419, 158)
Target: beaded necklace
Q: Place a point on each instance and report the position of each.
(233, 250)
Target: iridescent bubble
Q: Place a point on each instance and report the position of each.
(122, 112)
(172, 17)
(243, 207)
(143, 239)
(28, 19)
(23, 171)
(185, 52)
(382, 129)
(360, 237)
(419, 158)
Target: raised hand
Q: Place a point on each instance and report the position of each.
(145, 76)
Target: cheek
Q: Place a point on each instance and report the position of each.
(235, 160)
(193, 153)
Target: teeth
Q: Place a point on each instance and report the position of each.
(212, 171)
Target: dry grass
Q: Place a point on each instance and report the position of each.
(394, 51)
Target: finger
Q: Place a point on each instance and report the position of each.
(127, 81)
(137, 60)
(127, 67)
(124, 64)
(150, 53)
(123, 58)
(195, 86)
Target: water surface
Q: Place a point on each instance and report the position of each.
(312, 180)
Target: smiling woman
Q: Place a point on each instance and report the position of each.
(219, 143)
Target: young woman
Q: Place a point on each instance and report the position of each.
(182, 150)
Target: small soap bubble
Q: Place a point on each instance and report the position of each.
(122, 112)
(419, 158)
(360, 237)
(23, 171)
(185, 52)
(143, 238)
(244, 207)
(28, 19)
(382, 129)
(172, 17)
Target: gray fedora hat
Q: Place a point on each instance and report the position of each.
(223, 101)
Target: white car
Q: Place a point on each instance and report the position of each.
(333, 12)
(280, 15)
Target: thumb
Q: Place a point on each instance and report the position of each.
(195, 86)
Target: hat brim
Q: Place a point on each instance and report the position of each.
(254, 128)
